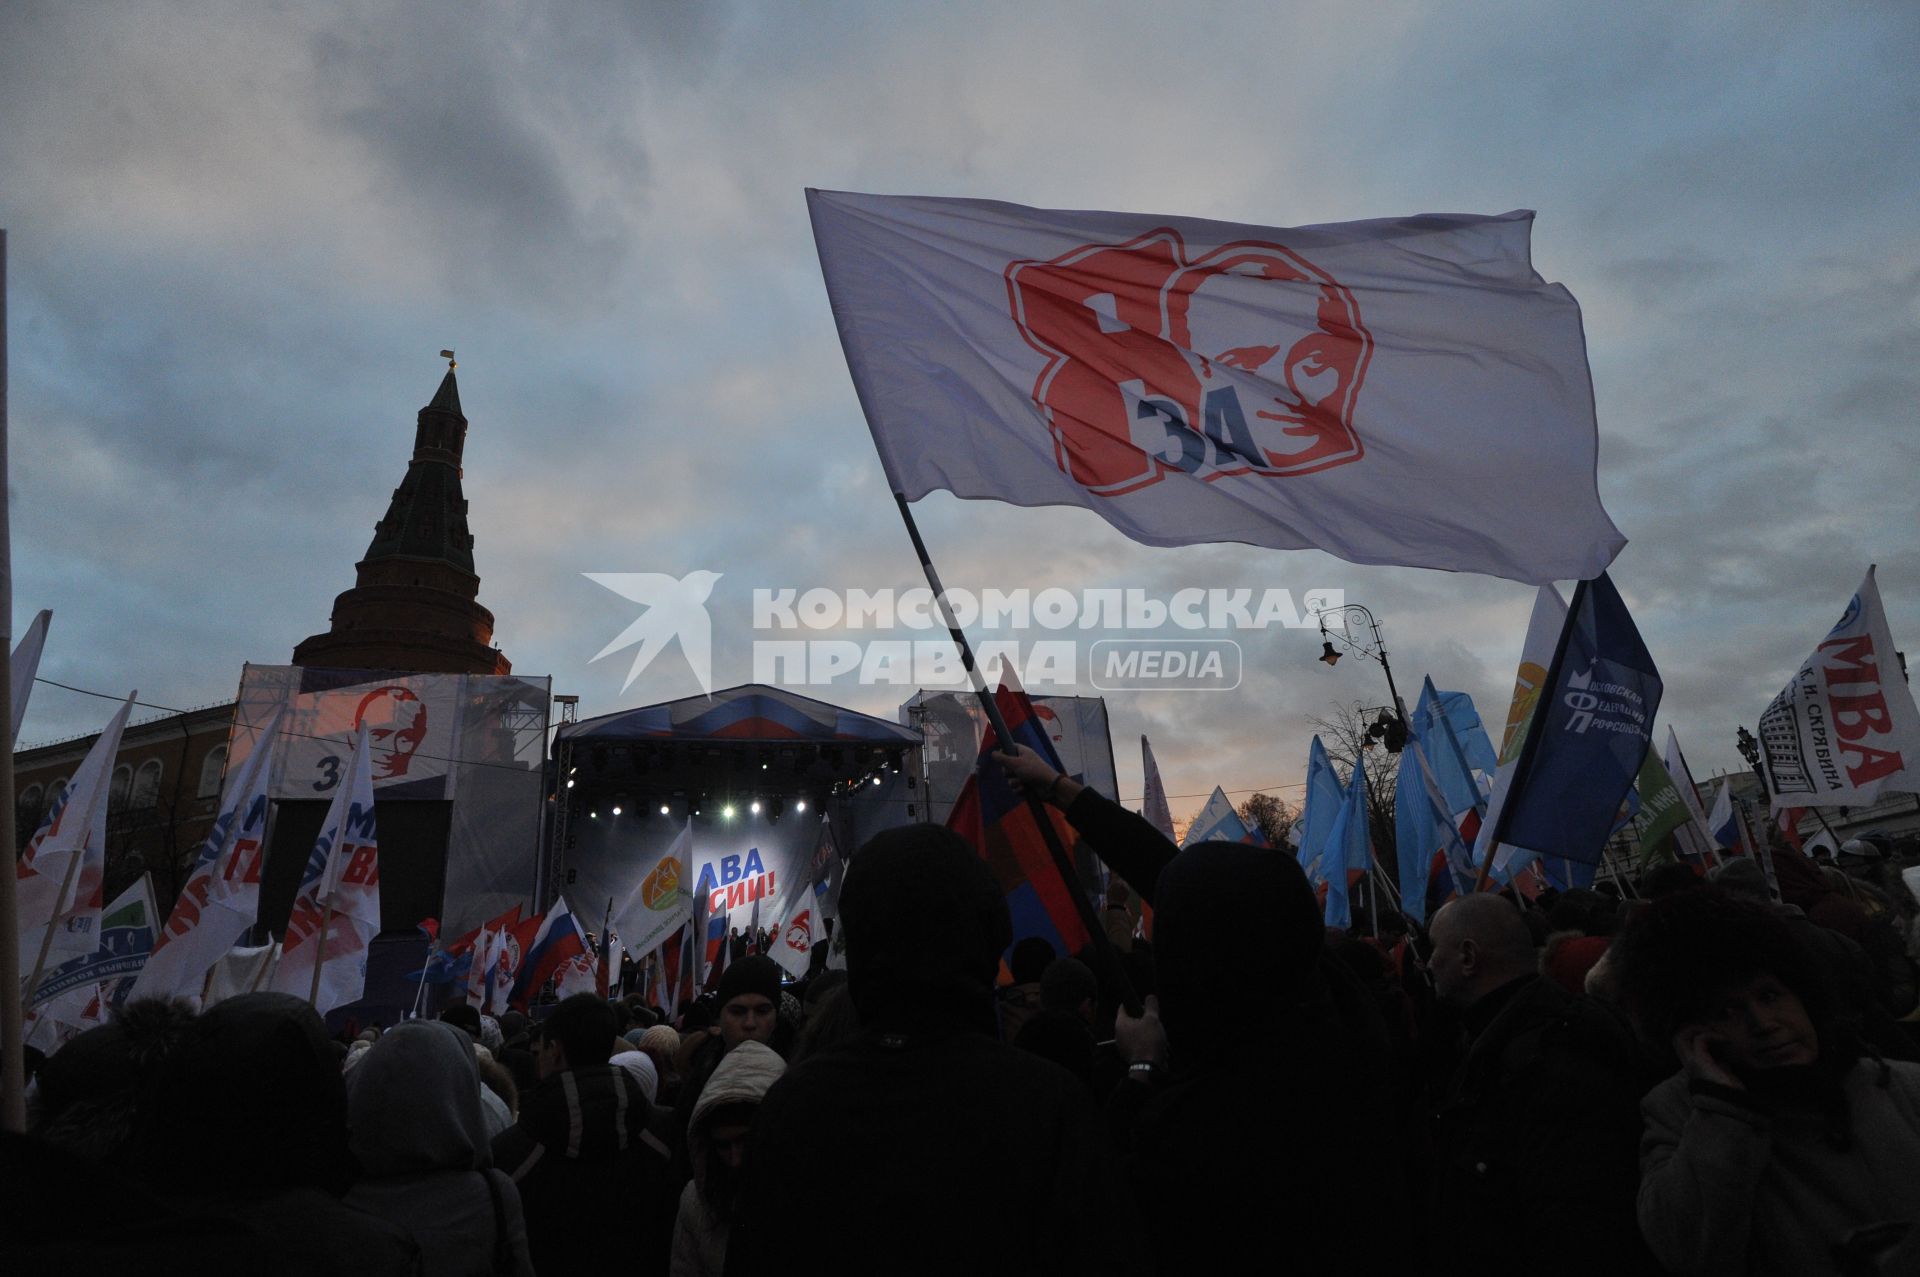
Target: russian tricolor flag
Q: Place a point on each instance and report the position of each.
(1001, 825)
(558, 940)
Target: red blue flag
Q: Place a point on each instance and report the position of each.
(558, 940)
(1002, 826)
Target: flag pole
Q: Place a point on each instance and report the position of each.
(320, 953)
(13, 1104)
(1531, 746)
(1096, 934)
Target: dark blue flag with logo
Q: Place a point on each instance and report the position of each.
(1591, 734)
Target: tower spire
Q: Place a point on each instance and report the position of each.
(414, 603)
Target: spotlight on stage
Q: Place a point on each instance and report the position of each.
(726, 813)
(754, 806)
(616, 809)
(663, 809)
(801, 806)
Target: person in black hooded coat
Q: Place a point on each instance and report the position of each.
(1265, 1109)
(253, 1125)
(946, 1150)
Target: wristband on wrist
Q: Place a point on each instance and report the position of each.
(1144, 1070)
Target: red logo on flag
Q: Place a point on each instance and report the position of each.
(1246, 360)
(800, 932)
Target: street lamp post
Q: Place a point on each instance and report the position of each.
(1377, 650)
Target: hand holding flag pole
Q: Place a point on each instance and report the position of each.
(1102, 947)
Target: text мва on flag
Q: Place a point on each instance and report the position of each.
(1846, 726)
(1403, 391)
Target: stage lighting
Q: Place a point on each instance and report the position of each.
(726, 813)
(663, 809)
(569, 782)
(616, 809)
(800, 806)
(876, 780)
(593, 815)
(754, 806)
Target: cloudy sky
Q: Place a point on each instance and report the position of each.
(238, 234)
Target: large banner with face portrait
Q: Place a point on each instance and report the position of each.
(412, 720)
(474, 742)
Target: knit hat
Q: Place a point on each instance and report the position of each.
(754, 974)
(1742, 876)
(663, 1038)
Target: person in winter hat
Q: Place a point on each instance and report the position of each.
(1778, 1145)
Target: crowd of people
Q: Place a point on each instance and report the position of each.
(1704, 1073)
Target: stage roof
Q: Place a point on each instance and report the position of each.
(750, 713)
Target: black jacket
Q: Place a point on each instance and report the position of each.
(1537, 1140)
(593, 1181)
(945, 1153)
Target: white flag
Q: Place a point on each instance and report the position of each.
(1846, 726)
(1682, 776)
(221, 899)
(59, 878)
(1154, 805)
(337, 913)
(802, 926)
(26, 664)
(1721, 824)
(1361, 388)
(662, 901)
(1544, 624)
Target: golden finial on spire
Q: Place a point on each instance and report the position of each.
(451, 362)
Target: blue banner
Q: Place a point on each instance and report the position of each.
(1324, 798)
(1593, 730)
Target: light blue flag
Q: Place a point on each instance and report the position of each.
(1325, 795)
(1457, 747)
(1420, 830)
(1348, 848)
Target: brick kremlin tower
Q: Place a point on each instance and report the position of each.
(413, 605)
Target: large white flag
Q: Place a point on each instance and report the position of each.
(1404, 391)
(1682, 776)
(801, 926)
(1846, 726)
(26, 664)
(1548, 618)
(337, 913)
(221, 899)
(1153, 804)
(661, 902)
(58, 881)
